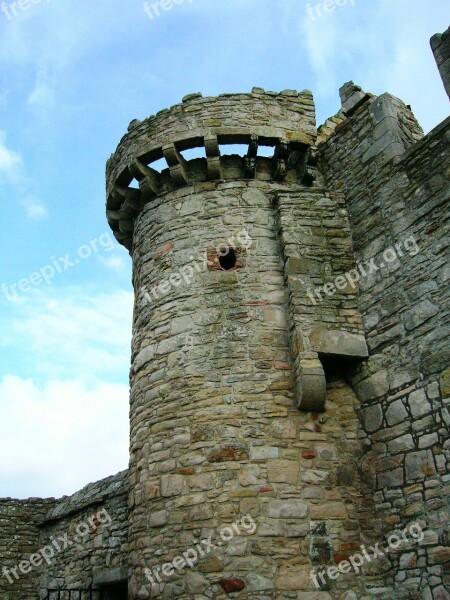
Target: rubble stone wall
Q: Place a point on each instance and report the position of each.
(19, 538)
(397, 189)
(74, 542)
(216, 434)
(88, 532)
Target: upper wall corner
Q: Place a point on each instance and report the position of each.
(440, 44)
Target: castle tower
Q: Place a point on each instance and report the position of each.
(290, 380)
(238, 349)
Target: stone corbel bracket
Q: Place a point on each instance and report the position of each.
(177, 164)
(212, 151)
(309, 374)
(310, 382)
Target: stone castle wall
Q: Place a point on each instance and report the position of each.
(91, 528)
(233, 117)
(19, 537)
(215, 429)
(398, 188)
(75, 542)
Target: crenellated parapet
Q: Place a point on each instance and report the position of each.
(284, 122)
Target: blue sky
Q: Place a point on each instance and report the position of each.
(73, 74)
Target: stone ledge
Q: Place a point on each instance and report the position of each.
(111, 576)
(338, 343)
(94, 494)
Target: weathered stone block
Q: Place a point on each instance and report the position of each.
(374, 386)
(259, 583)
(212, 564)
(287, 509)
(326, 451)
(439, 555)
(283, 471)
(419, 403)
(440, 593)
(396, 413)
(429, 440)
(293, 576)
(372, 418)
(333, 510)
(315, 476)
(391, 479)
(270, 528)
(171, 485)
(419, 314)
(158, 519)
(233, 452)
(338, 343)
(419, 465)
(263, 452)
(401, 444)
(196, 583)
(202, 481)
(249, 475)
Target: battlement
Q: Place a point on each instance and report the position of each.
(283, 121)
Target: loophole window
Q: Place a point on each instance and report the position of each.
(226, 258)
(229, 260)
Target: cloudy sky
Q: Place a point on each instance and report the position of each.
(73, 74)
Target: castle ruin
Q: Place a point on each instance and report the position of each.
(290, 386)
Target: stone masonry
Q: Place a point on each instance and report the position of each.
(403, 386)
(440, 44)
(83, 536)
(289, 403)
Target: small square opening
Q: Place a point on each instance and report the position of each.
(226, 258)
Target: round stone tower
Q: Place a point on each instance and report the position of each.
(244, 450)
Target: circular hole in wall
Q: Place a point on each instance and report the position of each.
(228, 261)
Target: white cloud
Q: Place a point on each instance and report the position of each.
(56, 437)
(381, 50)
(12, 173)
(35, 209)
(69, 333)
(115, 262)
(43, 96)
(64, 396)
(10, 160)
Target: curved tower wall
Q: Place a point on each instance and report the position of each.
(222, 360)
